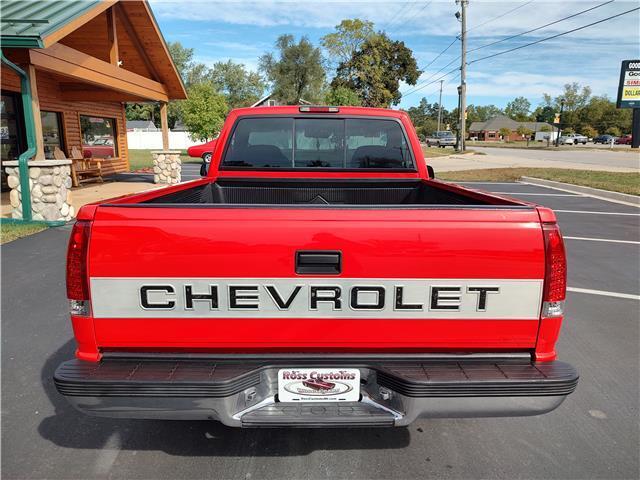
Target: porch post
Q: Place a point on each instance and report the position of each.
(112, 35)
(35, 107)
(164, 125)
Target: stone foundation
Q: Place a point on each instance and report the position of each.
(50, 186)
(167, 166)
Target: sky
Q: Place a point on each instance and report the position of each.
(243, 30)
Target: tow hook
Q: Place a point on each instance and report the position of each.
(385, 393)
(249, 395)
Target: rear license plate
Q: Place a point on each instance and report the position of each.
(319, 385)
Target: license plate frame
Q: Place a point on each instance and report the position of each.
(318, 385)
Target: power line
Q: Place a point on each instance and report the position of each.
(413, 16)
(500, 16)
(424, 83)
(398, 12)
(441, 53)
(553, 36)
(540, 27)
(457, 69)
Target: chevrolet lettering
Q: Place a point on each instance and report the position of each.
(319, 275)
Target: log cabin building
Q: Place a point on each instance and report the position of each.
(83, 61)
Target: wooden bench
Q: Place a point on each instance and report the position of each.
(83, 169)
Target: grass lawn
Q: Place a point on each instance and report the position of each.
(433, 152)
(12, 231)
(614, 181)
(142, 159)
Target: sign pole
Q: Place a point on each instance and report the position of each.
(635, 129)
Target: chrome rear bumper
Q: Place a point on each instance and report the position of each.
(395, 390)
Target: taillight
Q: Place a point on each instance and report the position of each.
(77, 278)
(555, 278)
(318, 109)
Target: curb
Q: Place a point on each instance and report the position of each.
(625, 198)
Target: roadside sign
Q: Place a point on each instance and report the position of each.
(556, 119)
(629, 86)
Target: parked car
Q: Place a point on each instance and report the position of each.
(624, 140)
(604, 139)
(99, 148)
(441, 139)
(333, 268)
(573, 139)
(204, 151)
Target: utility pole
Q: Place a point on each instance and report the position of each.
(560, 122)
(463, 71)
(440, 106)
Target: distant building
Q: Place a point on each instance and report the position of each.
(141, 126)
(489, 131)
(179, 127)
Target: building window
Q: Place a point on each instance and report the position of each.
(11, 131)
(98, 137)
(51, 132)
(491, 135)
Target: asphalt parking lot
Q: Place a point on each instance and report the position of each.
(594, 434)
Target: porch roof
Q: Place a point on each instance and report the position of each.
(39, 25)
(26, 23)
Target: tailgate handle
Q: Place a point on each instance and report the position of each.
(322, 262)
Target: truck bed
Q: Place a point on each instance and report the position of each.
(327, 192)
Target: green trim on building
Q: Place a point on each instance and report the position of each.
(25, 23)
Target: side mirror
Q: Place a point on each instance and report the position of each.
(430, 171)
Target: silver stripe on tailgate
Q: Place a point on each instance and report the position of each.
(348, 298)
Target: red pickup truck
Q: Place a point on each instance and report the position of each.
(319, 249)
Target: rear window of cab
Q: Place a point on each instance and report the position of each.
(317, 143)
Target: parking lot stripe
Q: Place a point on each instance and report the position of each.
(603, 293)
(583, 194)
(632, 242)
(486, 183)
(541, 194)
(598, 213)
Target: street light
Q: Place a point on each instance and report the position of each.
(560, 121)
(458, 139)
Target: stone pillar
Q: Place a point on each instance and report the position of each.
(166, 166)
(50, 185)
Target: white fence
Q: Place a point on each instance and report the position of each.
(153, 140)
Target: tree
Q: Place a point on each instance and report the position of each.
(240, 86)
(349, 36)
(614, 131)
(601, 113)
(588, 131)
(505, 132)
(190, 72)
(182, 58)
(482, 113)
(524, 131)
(544, 113)
(518, 109)
(297, 73)
(204, 111)
(342, 96)
(376, 70)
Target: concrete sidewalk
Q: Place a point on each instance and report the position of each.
(517, 158)
(90, 193)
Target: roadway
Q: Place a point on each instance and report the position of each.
(584, 158)
(594, 434)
